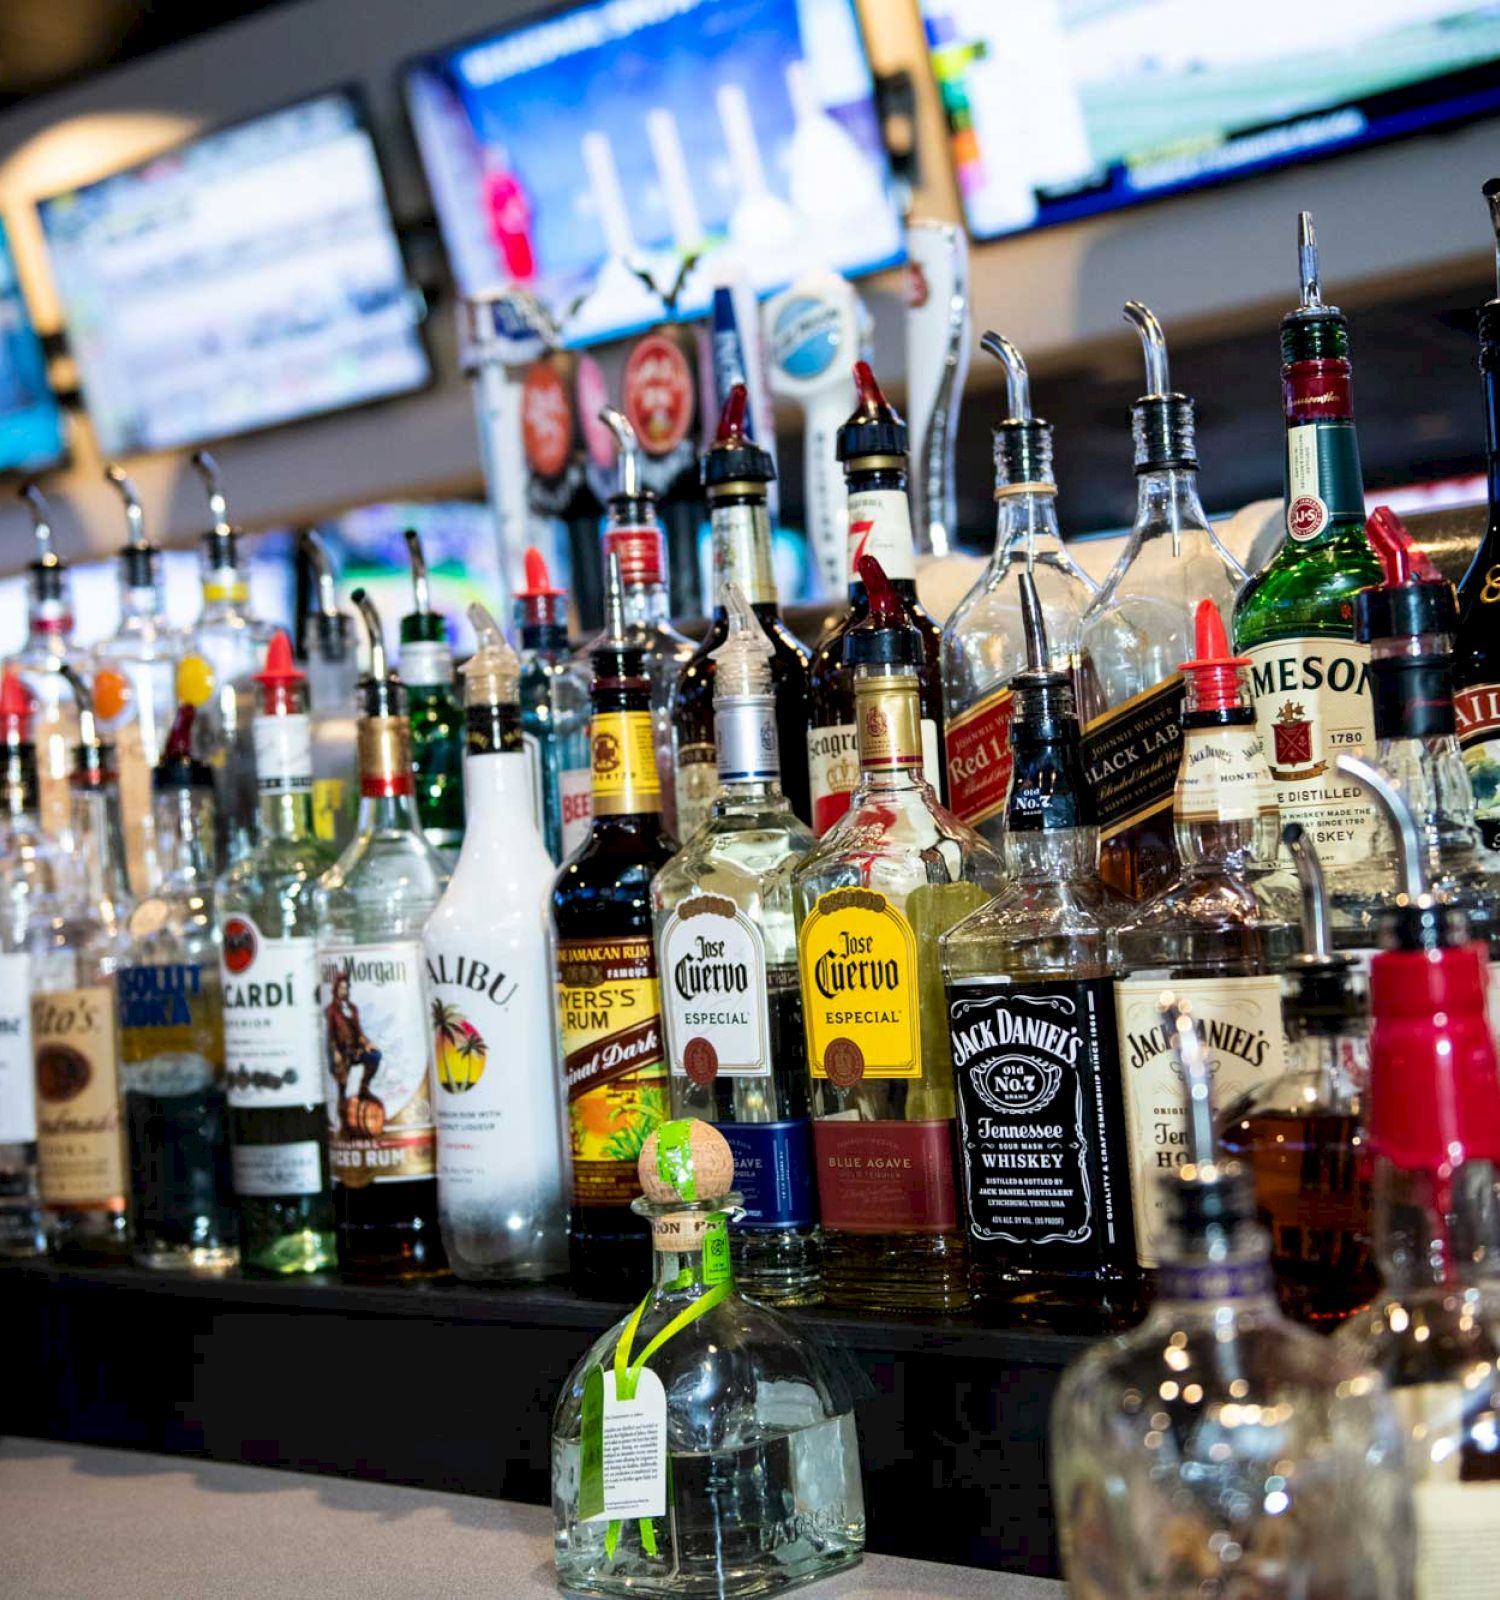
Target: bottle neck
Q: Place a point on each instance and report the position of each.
(1213, 830)
(284, 771)
(1325, 501)
(1049, 817)
(1431, 775)
(18, 780)
(1167, 508)
(1436, 1231)
(888, 729)
(99, 836)
(1025, 525)
(742, 550)
(497, 776)
(880, 525)
(387, 802)
(749, 754)
(1058, 855)
(1215, 1274)
(622, 742)
(226, 594)
(690, 1247)
(544, 641)
(1489, 362)
(185, 831)
(647, 605)
(142, 604)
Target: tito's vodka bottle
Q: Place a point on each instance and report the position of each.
(372, 905)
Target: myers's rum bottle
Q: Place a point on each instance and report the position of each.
(372, 905)
(608, 993)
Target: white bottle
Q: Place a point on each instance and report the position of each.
(502, 1170)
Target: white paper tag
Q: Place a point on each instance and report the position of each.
(267, 1170)
(635, 1451)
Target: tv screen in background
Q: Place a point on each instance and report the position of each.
(31, 426)
(1060, 109)
(647, 129)
(249, 277)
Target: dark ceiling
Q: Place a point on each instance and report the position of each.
(45, 44)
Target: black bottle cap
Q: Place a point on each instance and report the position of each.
(874, 428)
(885, 637)
(734, 457)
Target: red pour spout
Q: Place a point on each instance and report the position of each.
(280, 677)
(732, 417)
(1400, 558)
(872, 400)
(15, 708)
(539, 584)
(886, 610)
(1215, 671)
(179, 745)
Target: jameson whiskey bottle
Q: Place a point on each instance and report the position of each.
(872, 447)
(1295, 620)
(437, 723)
(735, 474)
(872, 898)
(1476, 658)
(372, 905)
(273, 1035)
(608, 993)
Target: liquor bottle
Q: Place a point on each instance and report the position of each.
(1219, 1449)
(437, 722)
(172, 1035)
(735, 474)
(273, 1028)
(1301, 1136)
(48, 647)
(1477, 654)
(1140, 625)
(1208, 935)
(135, 686)
(75, 946)
(554, 692)
(1030, 977)
(1295, 619)
(608, 992)
(26, 879)
(984, 640)
(726, 946)
(371, 906)
(1433, 1131)
(634, 534)
(501, 1168)
(224, 652)
(872, 899)
(326, 648)
(872, 447)
(724, 1499)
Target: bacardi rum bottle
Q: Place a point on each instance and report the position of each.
(437, 724)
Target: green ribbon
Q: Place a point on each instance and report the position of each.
(674, 1157)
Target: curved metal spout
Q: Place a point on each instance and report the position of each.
(135, 517)
(41, 525)
(88, 728)
(1315, 937)
(1017, 378)
(421, 586)
(1034, 623)
(1153, 344)
(316, 555)
(629, 447)
(1411, 858)
(1180, 1030)
(208, 469)
(379, 666)
(1491, 192)
(1307, 263)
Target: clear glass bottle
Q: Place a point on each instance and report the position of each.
(634, 533)
(554, 712)
(984, 640)
(75, 947)
(1209, 935)
(1433, 1332)
(26, 880)
(1030, 981)
(437, 719)
(502, 1171)
(327, 651)
(872, 898)
(172, 1036)
(746, 1478)
(273, 1027)
(1219, 1449)
(135, 687)
(1301, 1136)
(371, 906)
(1139, 626)
(726, 942)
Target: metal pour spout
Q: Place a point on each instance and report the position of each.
(218, 508)
(321, 568)
(614, 602)
(135, 517)
(88, 727)
(1153, 344)
(1017, 378)
(1491, 192)
(629, 447)
(1035, 625)
(421, 587)
(1316, 942)
(1181, 1032)
(379, 666)
(1307, 263)
(41, 526)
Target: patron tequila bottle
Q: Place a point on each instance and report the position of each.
(273, 1028)
(1139, 626)
(727, 952)
(437, 723)
(892, 875)
(984, 641)
(743, 1476)
(372, 905)
(1030, 980)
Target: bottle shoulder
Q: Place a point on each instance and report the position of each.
(1306, 591)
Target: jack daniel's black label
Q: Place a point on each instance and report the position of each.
(1041, 1124)
(1131, 755)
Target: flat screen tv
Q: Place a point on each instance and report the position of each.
(1059, 109)
(249, 277)
(31, 425)
(565, 154)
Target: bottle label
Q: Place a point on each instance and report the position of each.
(1240, 1023)
(833, 767)
(575, 787)
(880, 526)
(1323, 482)
(745, 744)
(773, 1171)
(1312, 705)
(979, 758)
(275, 1171)
(273, 1043)
(625, 781)
(742, 551)
(1223, 776)
(885, 1177)
(1041, 1132)
(1131, 755)
(80, 1142)
(426, 664)
(713, 964)
(858, 957)
(283, 754)
(171, 1021)
(17, 1064)
(1478, 711)
(614, 1064)
(697, 784)
(1458, 1523)
(377, 1052)
(889, 723)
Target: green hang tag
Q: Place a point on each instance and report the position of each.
(716, 1264)
(591, 1450)
(674, 1157)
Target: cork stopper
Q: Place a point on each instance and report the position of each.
(686, 1160)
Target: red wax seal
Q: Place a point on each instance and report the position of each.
(546, 420)
(844, 1062)
(658, 394)
(239, 944)
(700, 1060)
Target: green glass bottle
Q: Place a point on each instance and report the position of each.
(437, 719)
(1295, 619)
